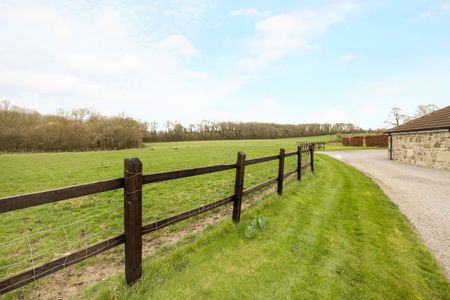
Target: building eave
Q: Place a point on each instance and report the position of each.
(421, 130)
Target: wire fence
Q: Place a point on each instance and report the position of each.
(41, 249)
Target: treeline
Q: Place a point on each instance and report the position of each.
(206, 130)
(78, 130)
(25, 130)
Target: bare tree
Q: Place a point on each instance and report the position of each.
(396, 117)
(5, 105)
(425, 109)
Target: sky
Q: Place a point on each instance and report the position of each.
(266, 61)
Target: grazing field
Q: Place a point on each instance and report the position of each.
(333, 236)
(37, 235)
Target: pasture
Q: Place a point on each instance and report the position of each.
(36, 235)
(333, 236)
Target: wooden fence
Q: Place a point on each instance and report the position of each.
(133, 229)
(317, 145)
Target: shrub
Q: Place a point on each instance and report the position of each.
(380, 140)
(357, 141)
(377, 140)
(346, 141)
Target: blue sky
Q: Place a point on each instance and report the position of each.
(268, 61)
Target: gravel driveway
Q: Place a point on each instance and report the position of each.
(422, 194)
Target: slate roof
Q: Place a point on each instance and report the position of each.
(439, 119)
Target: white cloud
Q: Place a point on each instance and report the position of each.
(137, 58)
(281, 34)
(385, 87)
(249, 12)
(269, 109)
(419, 17)
(107, 59)
(83, 63)
(178, 44)
(334, 115)
(368, 102)
(347, 58)
(266, 109)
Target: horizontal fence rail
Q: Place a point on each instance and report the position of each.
(33, 199)
(59, 264)
(133, 228)
(261, 160)
(165, 176)
(291, 153)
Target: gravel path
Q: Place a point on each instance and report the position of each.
(422, 194)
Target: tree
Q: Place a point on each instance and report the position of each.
(81, 129)
(5, 105)
(396, 117)
(425, 109)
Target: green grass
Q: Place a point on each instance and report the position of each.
(333, 236)
(52, 230)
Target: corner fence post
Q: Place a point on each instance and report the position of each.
(311, 155)
(238, 187)
(299, 163)
(133, 219)
(281, 171)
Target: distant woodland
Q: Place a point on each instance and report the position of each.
(23, 130)
(207, 130)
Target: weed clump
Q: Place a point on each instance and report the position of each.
(255, 225)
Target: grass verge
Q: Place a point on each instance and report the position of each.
(335, 235)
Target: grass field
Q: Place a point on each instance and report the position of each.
(52, 230)
(49, 231)
(333, 236)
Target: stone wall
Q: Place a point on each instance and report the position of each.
(431, 149)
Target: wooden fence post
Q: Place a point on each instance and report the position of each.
(311, 155)
(299, 163)
(133, 219)
(281, 171)
(238, 187)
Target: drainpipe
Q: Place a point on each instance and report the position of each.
(390, 146)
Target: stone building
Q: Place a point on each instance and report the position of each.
(424, 141)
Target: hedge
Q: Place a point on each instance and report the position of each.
(380, 140)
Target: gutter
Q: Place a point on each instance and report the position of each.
(425, 130)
